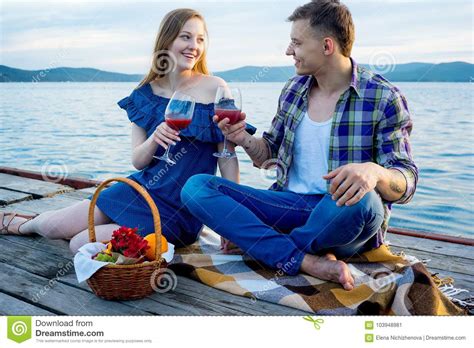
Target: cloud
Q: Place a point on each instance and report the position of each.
(70, 38)
(119, 36)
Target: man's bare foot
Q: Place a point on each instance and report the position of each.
(328, 268)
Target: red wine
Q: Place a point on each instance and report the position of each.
(232, 115)
(178, 123)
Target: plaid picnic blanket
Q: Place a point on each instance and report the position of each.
(385, 283)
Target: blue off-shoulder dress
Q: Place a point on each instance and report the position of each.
(193, 155)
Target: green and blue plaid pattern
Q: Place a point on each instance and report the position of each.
(371, 124)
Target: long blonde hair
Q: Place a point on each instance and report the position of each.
(170, 27)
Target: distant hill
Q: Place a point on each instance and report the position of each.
(8, 74)
(410, 72)
(425, 72)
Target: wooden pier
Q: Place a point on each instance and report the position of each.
(37, 275)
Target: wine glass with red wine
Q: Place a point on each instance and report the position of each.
(228, 104)
(178, 115)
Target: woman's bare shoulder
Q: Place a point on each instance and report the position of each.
(207, 87)
(212, 81)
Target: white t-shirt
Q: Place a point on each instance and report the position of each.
(310, 157)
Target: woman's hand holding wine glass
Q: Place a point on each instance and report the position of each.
(178, 115)
(165, 136)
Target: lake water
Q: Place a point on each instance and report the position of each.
(77, 129)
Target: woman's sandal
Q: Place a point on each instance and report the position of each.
(4, 229)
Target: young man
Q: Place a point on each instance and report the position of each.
(340, 141)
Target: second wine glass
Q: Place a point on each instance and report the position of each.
(228, 104)
(178, 115)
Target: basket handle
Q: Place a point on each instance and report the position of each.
(145, 195)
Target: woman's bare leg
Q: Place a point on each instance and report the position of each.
(62, 223)
(102, 233)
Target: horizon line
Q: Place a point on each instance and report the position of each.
(243, 66)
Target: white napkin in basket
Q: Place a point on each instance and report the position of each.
(85, 266)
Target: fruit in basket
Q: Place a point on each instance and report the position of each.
(151, 239)
(104, 257)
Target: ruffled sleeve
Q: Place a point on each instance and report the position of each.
(140, 109)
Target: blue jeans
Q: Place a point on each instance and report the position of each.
(278, 228)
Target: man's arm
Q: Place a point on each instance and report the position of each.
(350, 182)
(392, 184)
(257, 149)
(399, 173)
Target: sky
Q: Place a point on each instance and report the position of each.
(119, 35)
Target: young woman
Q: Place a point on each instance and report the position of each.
(179, 63)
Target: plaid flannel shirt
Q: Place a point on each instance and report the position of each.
(371, 124)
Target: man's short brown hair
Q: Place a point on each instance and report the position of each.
(329, 17)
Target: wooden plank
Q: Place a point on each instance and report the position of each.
(143, 304)
(34, 260)
(75, 182)
(449, 263)
(432, 236)
(76, 195)
(40, 205)
(9, 197)
(170, 303)
(88, 190)
(461, 280)
(51, 264)
(58, 247)
(56, 296)
(37, 188)
(437, 247)
(10, 305)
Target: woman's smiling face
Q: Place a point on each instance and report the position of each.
(189, 45)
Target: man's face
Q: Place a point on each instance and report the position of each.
(305, 47)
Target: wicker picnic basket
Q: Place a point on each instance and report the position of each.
(127, 282)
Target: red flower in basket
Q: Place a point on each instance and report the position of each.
(127, 242)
